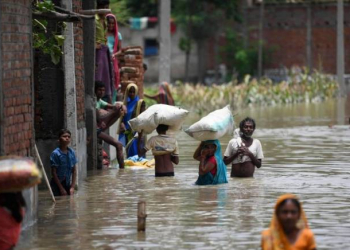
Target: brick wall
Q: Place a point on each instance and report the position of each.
(79, 66)
(285, 33)
(16, 77)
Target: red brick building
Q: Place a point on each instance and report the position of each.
(16, 82)
(38, 98)
(285, 31)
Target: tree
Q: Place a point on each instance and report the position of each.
(200, 20)
(121, 10)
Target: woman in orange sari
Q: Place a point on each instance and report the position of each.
(289, 229)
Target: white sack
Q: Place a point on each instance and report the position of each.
(213, 126)
(157, 114)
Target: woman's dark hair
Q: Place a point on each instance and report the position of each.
(109, 18)
(13, 202)
(294, 201)
(247, 119)
(63, 131)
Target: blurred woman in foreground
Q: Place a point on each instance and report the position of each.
(289, 229)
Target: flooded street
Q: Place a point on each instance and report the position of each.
(307, 152)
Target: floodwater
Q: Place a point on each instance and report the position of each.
(307, 152)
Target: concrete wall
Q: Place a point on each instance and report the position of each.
(137, 37)
(81, 151)
(81, 135)
(89, 84)
(16, 87)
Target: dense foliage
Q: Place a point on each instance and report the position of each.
(49, 43)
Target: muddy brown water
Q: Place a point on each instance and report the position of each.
(307, 152)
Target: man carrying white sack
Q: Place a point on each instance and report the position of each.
(164, 149)
(244, 152)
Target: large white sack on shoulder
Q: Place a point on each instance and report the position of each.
(159, 114)
(213, 126)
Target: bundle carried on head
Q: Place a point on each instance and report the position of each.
(213, 126)
(158, 114)
(17, 174)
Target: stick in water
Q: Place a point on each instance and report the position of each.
(141, 216)
(44, 173)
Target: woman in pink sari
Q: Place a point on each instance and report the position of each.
(114, 45)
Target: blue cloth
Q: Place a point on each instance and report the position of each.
(110, 43)
(136, 158)
(120, 37)
(132, 148)
(135, 23)
(221, 174)
(64, 163)
(131, 105)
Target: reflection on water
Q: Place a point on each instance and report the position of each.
(307, 153)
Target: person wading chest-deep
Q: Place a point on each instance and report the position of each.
(245, 153)
(164, 149)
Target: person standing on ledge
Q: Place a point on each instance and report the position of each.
(244, 152)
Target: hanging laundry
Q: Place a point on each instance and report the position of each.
(135, 23)
(172, 26)
(143, 22)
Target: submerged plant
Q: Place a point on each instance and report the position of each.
(299, 87)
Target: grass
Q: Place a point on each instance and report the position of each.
(300, 87)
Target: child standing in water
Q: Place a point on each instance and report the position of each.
(165, 151)
(63, 166)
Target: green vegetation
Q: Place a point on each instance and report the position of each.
(301, 87)
(120, 10)
(199, 21)
(243, 59)
(49, 43)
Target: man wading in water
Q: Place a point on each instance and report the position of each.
(244, 152)
(165, 151)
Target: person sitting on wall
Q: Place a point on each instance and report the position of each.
(63, 166)
(107, 114)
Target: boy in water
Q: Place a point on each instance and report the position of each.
(63, 166)
(164, 149)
